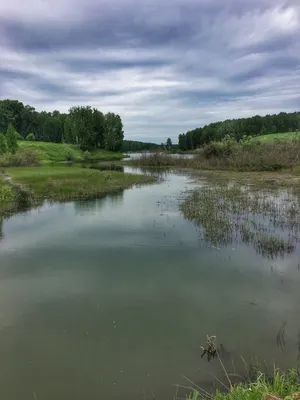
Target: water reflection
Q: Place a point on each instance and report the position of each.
(1, 228)
(107, 167)
(93, 207)
(113, 298)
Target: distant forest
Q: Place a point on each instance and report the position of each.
(86, 127)
(238, 128)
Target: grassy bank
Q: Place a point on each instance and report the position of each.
(64, 183)
(247, 155)
(279, 386)
(58, 152)
(250, 155)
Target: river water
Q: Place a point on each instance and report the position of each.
(112, 299)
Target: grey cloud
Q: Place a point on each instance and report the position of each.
(164, 66)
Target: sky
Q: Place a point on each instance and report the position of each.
(166, 66)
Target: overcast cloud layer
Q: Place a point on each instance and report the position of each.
(165, 66)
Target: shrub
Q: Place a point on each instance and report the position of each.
(68, 154)
(30, 137)
(86, 155)
(220, 149)
(23, 158)
(18, 136)
(11, 139)
(3, 144)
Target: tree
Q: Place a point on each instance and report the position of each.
(3, 145)
(169, 145)
(99, 127)
(11, 139)
(114, 135)
(30, 137)
(182, 142)
(80, 127)
(274, 129)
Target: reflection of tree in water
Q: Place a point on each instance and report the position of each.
(160, 173)
(1, 228)
(84, 207)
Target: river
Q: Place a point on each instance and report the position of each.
(112, 299)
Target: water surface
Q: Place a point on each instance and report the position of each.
(112, 299)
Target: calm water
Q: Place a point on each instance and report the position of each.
(112, 299)
(134, 156)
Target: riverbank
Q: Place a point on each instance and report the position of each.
(230, 155)
(279, 386)
(59, 183)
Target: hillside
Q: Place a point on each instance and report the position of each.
(278, 136)
(57, 152)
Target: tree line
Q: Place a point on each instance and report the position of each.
(239, 128)
(86, 127)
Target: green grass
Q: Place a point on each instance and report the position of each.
(65, 183)
(53, 152)
(279, 386)
(7, 196)
(280, 136)
(57, 152)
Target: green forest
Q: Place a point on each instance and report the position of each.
(86, 127)
(239, 128)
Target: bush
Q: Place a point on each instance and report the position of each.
(30, 137)
(11, 139)
(18, 136)
(219, 149)
(86, 155)
(69, 155)
(3, 144)
(23, 158)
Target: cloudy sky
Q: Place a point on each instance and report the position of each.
(165, 66)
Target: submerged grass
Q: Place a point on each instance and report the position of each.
(236, 213)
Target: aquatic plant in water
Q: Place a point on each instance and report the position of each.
(233, 213)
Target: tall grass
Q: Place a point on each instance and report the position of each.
(22, 158)
(279, 386)
(158, 160)
(248, 155)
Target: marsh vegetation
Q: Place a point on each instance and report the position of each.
(269, 220)
(230, 155)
